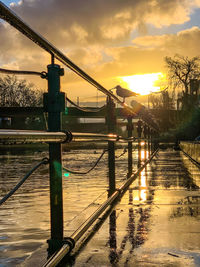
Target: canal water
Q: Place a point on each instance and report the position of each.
(24, 218)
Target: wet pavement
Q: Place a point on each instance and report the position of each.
(156, 223)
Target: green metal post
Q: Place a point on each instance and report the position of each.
(139, 131)
(151, 138)
(111, 124)
(149, 145)
(145, 139)
(130, 147)
(54, 103)
(154, 141)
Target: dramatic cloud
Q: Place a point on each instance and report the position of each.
(96, 34)
(184, 42)
(95, 21)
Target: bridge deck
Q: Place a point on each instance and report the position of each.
(157, 221)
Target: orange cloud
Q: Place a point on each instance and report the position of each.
(185, 42)
(96, 34)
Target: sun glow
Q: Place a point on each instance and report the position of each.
(143, 83)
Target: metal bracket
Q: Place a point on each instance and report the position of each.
(69, 241)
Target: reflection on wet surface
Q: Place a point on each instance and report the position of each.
(24, 219)
(135, 232)
(156, 222)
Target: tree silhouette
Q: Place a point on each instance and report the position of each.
(18, 93)
(181, 70)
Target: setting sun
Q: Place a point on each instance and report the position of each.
(143, 83)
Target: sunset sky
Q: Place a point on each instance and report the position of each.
(109, 39)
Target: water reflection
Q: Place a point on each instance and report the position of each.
(142, 153)
(30, 206)
(137, 226)
(25, 218)
(139, 154)
(143, 186)
(165, 190)
(170, 171)
(136, 229)
(113, 255)
(188, 206)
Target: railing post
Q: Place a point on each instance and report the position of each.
(145, 133)
(152, 149)
(130, 128)
(54, 103)
(151, 138)
(139, 131)
(155, 141)
(111, 124)
(149, 141)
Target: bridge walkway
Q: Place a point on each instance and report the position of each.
(157, 221)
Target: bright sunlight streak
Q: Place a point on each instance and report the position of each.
(143, 83)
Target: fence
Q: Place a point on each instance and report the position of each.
(54, 105)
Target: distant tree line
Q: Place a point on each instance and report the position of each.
(181, 70)
(163, 100)
(15, 92)
(183, 76)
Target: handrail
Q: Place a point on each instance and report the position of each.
(70, 242)
(9, 16)
(24, 72)
(195, 162)
(14, 20)
(24, 136)
(30, 136)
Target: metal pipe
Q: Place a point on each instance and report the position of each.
(84, 227)
(29, 136)
(57, 257)
(134, 176)
(14, 20)
(93, 137)
(54, 105)
(20, 25)
(23, 72)
(111, 126)
(130, 147)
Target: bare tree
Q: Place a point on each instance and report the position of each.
(163, 100)
(155, 101)
(181, 70)
(18, 93)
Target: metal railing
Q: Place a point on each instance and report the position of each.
(69, 242)
(8, 136)
(9, 16)
(54, 104)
